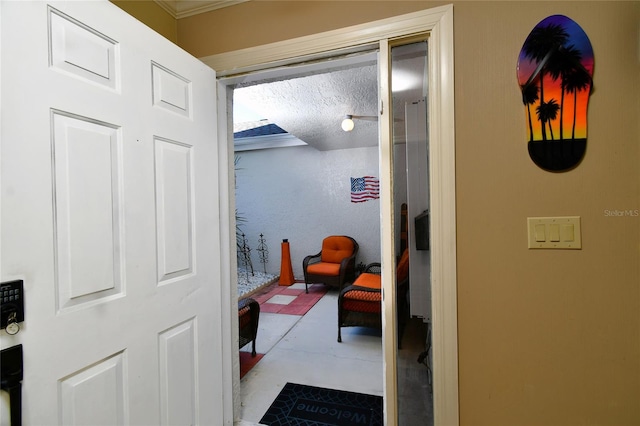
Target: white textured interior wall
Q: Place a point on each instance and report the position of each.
(304, 195)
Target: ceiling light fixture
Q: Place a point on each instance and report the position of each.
(347, 123)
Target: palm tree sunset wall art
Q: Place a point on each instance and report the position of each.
(554, 71)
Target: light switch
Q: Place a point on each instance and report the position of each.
(567, 233)
(554, 232)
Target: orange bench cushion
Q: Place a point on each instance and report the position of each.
(336, 248)
(368, 280)
(362, 301)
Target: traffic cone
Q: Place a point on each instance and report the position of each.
(286, 271)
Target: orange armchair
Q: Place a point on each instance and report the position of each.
(334, 265)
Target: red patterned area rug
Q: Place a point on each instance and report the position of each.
(290, 300)
(247, 362)
(277, 299)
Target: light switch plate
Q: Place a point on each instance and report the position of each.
(554, 232)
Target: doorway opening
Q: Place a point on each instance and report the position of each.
(299, 190)
(294, 115)
(438, 23)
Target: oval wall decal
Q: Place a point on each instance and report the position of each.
(554, 71)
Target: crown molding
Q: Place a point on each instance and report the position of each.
(182, 8)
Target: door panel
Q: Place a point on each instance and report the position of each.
(86, 159)
(81, 51)
(77, 393)
(178, 363)
(110, 216)
(171, 91)
(174, 209)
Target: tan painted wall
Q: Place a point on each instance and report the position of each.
(152, 15)
(545, 337)
(261, 22)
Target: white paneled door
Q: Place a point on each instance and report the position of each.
(110, 218)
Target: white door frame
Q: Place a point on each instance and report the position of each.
(438, 23)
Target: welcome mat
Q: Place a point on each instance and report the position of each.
(303, 405)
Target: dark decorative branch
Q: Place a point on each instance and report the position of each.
(263, 252)
(245, 255)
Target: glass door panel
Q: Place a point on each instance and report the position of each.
(411, 206)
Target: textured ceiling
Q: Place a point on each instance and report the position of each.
(312, 107)
(310, 101)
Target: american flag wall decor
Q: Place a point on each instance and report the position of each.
(364, 189)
